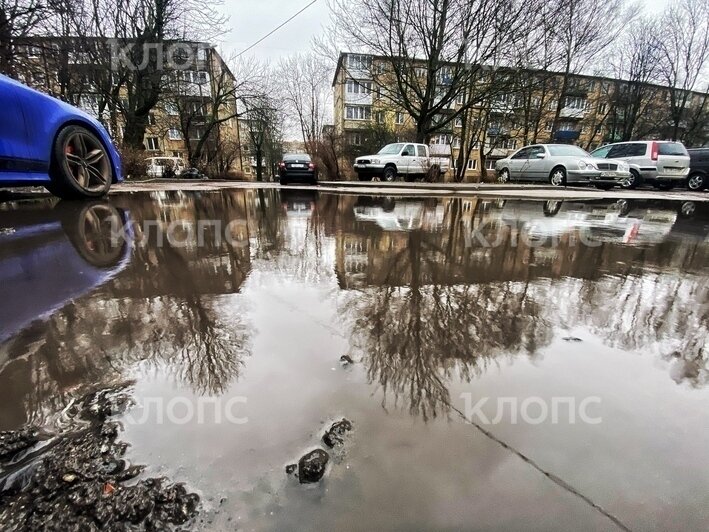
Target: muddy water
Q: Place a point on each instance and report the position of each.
(468, 321)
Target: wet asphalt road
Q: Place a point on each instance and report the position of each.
(227, 311)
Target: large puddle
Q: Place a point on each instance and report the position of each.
(536, 365)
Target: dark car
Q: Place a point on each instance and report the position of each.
(297, 167)
(192, 173)
(698, 169)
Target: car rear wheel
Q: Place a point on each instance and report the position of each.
(80, 165)
(696, 182)
(557, 178)
(504, 176)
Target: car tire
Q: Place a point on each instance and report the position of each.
(433, 174)
(604, 187)
(80, 166)
(389, 174)
(503, 176)
(696, 182)
(632, 182)
(551, 208)
(557, 177)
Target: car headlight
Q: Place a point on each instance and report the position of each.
(375, 161)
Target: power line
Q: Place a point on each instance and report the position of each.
(274, 30)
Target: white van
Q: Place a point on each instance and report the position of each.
(157, 165)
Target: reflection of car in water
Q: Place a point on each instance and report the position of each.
(625, 221)
(403, 216)
(298, 203)
(50, 257)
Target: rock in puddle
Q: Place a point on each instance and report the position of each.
(346, 360)
(572, 339)
(335, 434)
(311, 467)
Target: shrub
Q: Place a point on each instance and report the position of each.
(134, 164)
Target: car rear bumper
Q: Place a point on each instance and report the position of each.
(294, 175)
(651, 174)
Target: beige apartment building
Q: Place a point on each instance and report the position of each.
(197, 100)
(595, 111)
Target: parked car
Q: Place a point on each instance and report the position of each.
(698, 169)
(167, 167)
(297, 167)
(409, 160)
(47, 142)
(192, 173)
(662, 164)
(561, 164)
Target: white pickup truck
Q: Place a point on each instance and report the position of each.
(405, 159)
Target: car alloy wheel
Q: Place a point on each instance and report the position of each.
(630, 181)
(558, 177)
(389, 174)
(86, 161)
(504, 176)
(696, 182)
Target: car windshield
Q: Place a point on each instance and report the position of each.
(297, 157)
(567, 151)
(672, 148)
(391, 149)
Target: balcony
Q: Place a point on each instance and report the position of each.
(572, 112)
(497, 131)
(567, 135)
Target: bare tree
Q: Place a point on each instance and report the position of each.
(432, 51)
(18, 19)
(685, 58)
(307, 95)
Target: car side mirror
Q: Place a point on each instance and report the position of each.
(541, 155)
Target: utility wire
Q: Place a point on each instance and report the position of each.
(274, 30)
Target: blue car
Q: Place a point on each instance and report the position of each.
(47, 142)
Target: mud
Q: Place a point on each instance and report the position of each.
(79, 480)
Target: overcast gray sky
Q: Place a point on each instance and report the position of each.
(252, 19)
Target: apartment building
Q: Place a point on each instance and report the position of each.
(196, 101)
(594, 111)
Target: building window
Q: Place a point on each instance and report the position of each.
(552, 105)
(359, 87)
(490, 164)
(460, 99)
(359, 61)
(472, 164)
(511, 144)
(358, 112)
(456, 143)
(549, 126)
(399, 118)
(459, 122)
(171, 109)
(567, 126)
(355, 139)
(177, 154)
(441, 139)
(151, 119)
(575, 102)
(174, 134)
(602, 108)
(379, 117)
(152, 144)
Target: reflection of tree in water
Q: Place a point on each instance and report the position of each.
(414, 338)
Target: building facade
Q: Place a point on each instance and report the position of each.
(593, 111)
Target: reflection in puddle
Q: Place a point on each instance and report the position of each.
(256, 294)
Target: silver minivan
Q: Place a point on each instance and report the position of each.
(662, 164)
